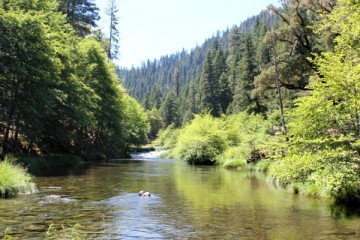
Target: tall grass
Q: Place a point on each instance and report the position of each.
(14, 179)
(65, 232)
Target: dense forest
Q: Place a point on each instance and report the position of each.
(59, 90)
(234, 70)
(279, 92)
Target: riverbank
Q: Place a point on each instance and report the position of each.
(328, 168)
(14, 179)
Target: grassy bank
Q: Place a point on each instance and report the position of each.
(14, 179)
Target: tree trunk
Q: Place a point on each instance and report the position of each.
(280, 101)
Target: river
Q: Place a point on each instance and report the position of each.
(187, 202)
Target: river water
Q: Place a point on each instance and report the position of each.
(187, 202)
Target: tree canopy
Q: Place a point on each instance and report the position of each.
(59, 92)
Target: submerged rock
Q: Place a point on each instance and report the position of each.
(144, 194)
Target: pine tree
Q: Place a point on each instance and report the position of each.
(114, 34)
(214, 69)
(209, 87)
(81, 14)
(176, 82)
(234, 56)
(246, 71)
(169, 110)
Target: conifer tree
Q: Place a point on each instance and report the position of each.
(209, 87)
(176, 82)
(81, 14)
(246, 72)
(169, 110)
(233, 57)
(114, 34)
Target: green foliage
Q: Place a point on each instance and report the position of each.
(47, 5)
(81, 14)
(213, 83)
(230, 141)
(200, 141)
(169, 110)
(260, 166)
(323, 160)
(155, 122)
(296, 168)
(114, 35)
(137, 125)
(59, 92)
(167, 138)
(14, 179)
(333, 173)
(233, 157)
(246, 135)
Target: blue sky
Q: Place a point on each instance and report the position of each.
(152, 28)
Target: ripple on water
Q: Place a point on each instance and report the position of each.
(135, 217)
(50, 199)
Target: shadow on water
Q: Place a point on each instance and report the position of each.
(342, 211)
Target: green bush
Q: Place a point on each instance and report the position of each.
(295, 167)
(235, 164)
(167, 138)
(202, 140)
(246, 135)
(229, 141)
(328, 174)
(233, 157)
(14, 179)
(260, 166)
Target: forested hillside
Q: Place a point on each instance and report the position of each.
(159, 82)
(59, 91)
(234, 71)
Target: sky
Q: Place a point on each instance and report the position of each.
(150, 29)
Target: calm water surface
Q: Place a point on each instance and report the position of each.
(187, 202)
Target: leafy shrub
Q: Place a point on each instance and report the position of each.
(233, 157)
(235, 164)
(295, 167)
(167, 138)
(332, 173)
(229, 140)
(260, 166)
(246, 135)
(202, 140)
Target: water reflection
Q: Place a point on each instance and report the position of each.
(187, 202)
